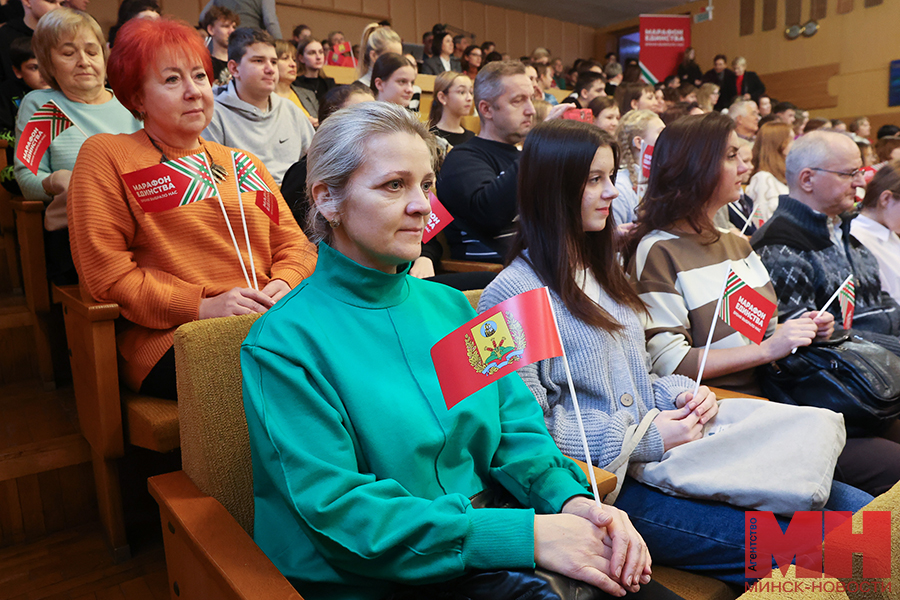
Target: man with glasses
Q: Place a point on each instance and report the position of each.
(807, 246)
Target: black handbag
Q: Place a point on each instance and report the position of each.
(846, 374)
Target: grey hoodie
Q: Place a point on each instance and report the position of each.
(278, 136)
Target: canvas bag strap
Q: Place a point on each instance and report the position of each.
(619, 465)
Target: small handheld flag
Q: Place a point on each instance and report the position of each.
(515, 333)
(249, 180)
(847, 298)
(44, 126)
(437, 220)
(745, 309)
(741, 307)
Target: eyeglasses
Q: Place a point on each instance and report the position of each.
(851, 175)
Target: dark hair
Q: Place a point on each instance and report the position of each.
(586, 80)
(457, 38)
(219, 12)
(584, 65)
(837, 122)
(601, 103)
(438, 41)
(334, 99)
(631, 74)
(886, 131)
(20, 51)
(783, 107)
(385, 66)
(127, 11)
(677, 111)
(686, 89)
(627, 92)
(886, 179)
(816, 123)
(684, 58)
(687, 166)
(300, 28)
(720, 56)
(465, 57)
(885, 146)
(488, 44)
(554, 168)
(491, 57)
(243, 37)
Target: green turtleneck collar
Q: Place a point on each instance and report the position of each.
(348, 281)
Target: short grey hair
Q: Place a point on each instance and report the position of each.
(489, 83)
(339, 148)
(740, 108)
(612, 70)
(810, 150)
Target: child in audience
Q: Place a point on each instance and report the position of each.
(21, 27)
(770, 150)
(28, 77)
(311, 75)
(638, 129)
(219, 22)
(392, 79)
(606, 114)
(453, 99)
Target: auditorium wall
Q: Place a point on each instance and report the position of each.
(513, 31)
(859, 42)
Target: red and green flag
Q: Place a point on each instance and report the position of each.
(847, 298)
(249, 180)
(744, 309)
(515, 333)
(44, 126)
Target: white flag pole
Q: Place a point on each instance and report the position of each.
(833, 296)
(750, 218)
(584, 442)
(237, 184)
(712, 329)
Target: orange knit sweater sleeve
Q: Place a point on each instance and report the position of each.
(102, 229)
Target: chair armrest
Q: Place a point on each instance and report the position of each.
(208, 555)
(30, 231)
(606, 481)
(468, 266)
(723, 393)
(91, 337)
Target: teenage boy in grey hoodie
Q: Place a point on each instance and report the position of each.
(249, 115)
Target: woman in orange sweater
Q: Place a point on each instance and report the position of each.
(171, 227)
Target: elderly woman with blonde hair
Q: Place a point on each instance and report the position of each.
(71, 53)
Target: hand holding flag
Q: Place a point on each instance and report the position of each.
(517, 332)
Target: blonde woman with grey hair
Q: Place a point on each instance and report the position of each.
(365, 484)
(71, 53)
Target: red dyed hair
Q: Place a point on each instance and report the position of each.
(138, 45)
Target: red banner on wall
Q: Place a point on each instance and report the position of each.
(664, 38)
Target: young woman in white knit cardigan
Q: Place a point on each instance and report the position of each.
(566, 241)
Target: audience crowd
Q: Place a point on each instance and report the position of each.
(306, 201)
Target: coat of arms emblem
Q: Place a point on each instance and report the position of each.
(494, 343)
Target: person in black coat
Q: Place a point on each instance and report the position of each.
(748, 83)
(723, 77)
(689, 71)
(442, 48)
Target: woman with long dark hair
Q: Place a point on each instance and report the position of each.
(677, 260)
(567, 241)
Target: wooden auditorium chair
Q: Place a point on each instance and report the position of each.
(109, 414)
(207, 508)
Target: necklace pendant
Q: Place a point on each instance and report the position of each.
(219, 173)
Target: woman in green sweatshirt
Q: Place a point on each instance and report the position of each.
(362, 476)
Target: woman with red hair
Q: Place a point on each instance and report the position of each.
(168, 225)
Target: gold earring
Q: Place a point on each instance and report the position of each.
(335, 223)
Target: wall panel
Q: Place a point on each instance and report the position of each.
(473, 19)
(451, 12)
(515, 34)
(534, 32)
(355, 6)
(376, 7)
(314, 4)
(571, 43)
(495, 26)
(586, 42)
(428, 12)
(403, 19)
(553, 36)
